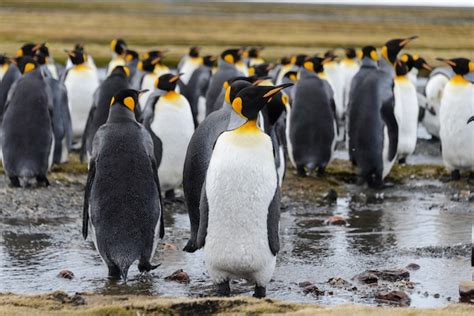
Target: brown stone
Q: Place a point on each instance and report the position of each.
(397, 297)
(336, 220)
(391, 275)
(66, 274)
(178, 276)
(413, 266)
(168, 246)
(367, 277)
(339, 282)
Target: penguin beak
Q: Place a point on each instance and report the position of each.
(407, 40)
(70, 53)
(275, 90)
(447, 61)
(155, 61)
(427, 67)
(175, 78)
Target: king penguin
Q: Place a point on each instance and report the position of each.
(28, 140)
(81, 82)
(373, 128)
(99, 112)
(122, 202)
(168, 116)
(148, 79)
(88, 57)
(406, 111)
(348, 68)
(119, 49)
(199, 154)
(457, 105)
(414, 64)
(254, 56)
(189, 63)
(225, 70)
(334, 77)
(240, 235)
(281, 70)
(313, 127)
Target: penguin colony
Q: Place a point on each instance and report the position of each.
(223, 128)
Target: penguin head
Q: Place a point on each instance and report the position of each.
(232, 87)
(350, 53)
(148, 64)
(26, 50)
(123, 71)
(401, 68)
(261, 70)
(276, 106)
(254, 52)
(26, 64)
(232, 55)
(370, 52)
(127, 98)
(299, 60)
(194, 51)
(41, 53)
(79, 46)
(118, 46)
(460, 66)
(155, 53)
(209, 61)
(249, 101)
(420, 63)
(285, 61)
(391, 48)
(316, 64)
(130, 55)
(167, 82)
(3, 59)
(77, 57)
(291, 75)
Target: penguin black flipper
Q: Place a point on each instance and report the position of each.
(155, 166)
(333, 109)
(85, 211)
(273, 220)
(85, 135)
(471, 119)
(388, 116)
(203, 218)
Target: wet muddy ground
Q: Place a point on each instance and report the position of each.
(421, 220)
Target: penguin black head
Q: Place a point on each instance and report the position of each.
(127, 98)
(254, 52)
(3, 59)
(276, 106)
(26, 50)
(249, 101)
(41, 53)
(299, 60)
(123, 71)
(194, 51)
(350, 53)
(261, 70)
(370, 52)
(285, 60)
(118, 46)
(167, 82)
(401, 68)
(391, 48)
(292, 75)
(79, 47)
(154, 54)
(26, 64)
(130, 55)
(77, 56)
(149, 64)
(233, 87)
(330, 54)
(415, 61)
(209, 61)
(461, 66)
(232, 55)
(316, 63)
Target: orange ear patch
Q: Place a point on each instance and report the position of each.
(112, 101)
(129, 102)
(29, 67)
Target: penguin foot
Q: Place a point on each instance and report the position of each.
(260, 292)
(42, 181)
(300, 172)
(455, 175)
(169, 195)
(321, 172)
(15, 182)
(402, 161)
(146, 266)
(470, 178)
(223, 289)
(114, 272)
(191, 246)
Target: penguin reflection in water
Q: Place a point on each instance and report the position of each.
(240, 204)
(122, 203)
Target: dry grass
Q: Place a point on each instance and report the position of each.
(283, 29)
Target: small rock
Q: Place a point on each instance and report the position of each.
(466, 291)
(398, 297)
(66, 274)
(392, 275)
(436, 295)
(304, 284)
(367, 277)
(335, 220)
(168, 246)
(413, 266)
(339, 282)
(179, 276)
(77, 300)
(331, 196)
(313, 289)
(426, 294)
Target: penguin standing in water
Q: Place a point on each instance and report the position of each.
(188, 64)
(348, 68)
(81, 82)
(119, 49)
(313, 127)
(169, 118)
(457, 105)
(225, 70)
(27, 128)
(115, 82)
(195, 90)
(240, 204)
(373, 127)
(122, 202)
(199, 154)
(406, 111)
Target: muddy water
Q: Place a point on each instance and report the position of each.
(412, 222)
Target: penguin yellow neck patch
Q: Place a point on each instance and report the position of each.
(129, 102)
(401, 78)
(349, 61)
(171, 96)
(81, 67)
(249, 127)
(29, 67)
(458, 79)
(229, 58)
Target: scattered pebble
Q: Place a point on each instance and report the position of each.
(178, 276)
(436, 295)
(413, 266)
(366, 277)
(331, 196)
(392, 275)
(398, 297)
(312, 289)
(66, 274)
(335, 220)
(168, 246)
(339, 282)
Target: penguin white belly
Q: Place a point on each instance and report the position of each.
(118, 61)
(387, 164)
(288, 140)
(53, 70)
(284, 69)
(406, 113)
(201, 109)
(334, 79)
(240, 185)
(413, 76)
(148, 82)
(282, 166)
(457, 137)
(190, 65)
(434, 93)
(348, 71)
(80, 85)
(173, 124)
